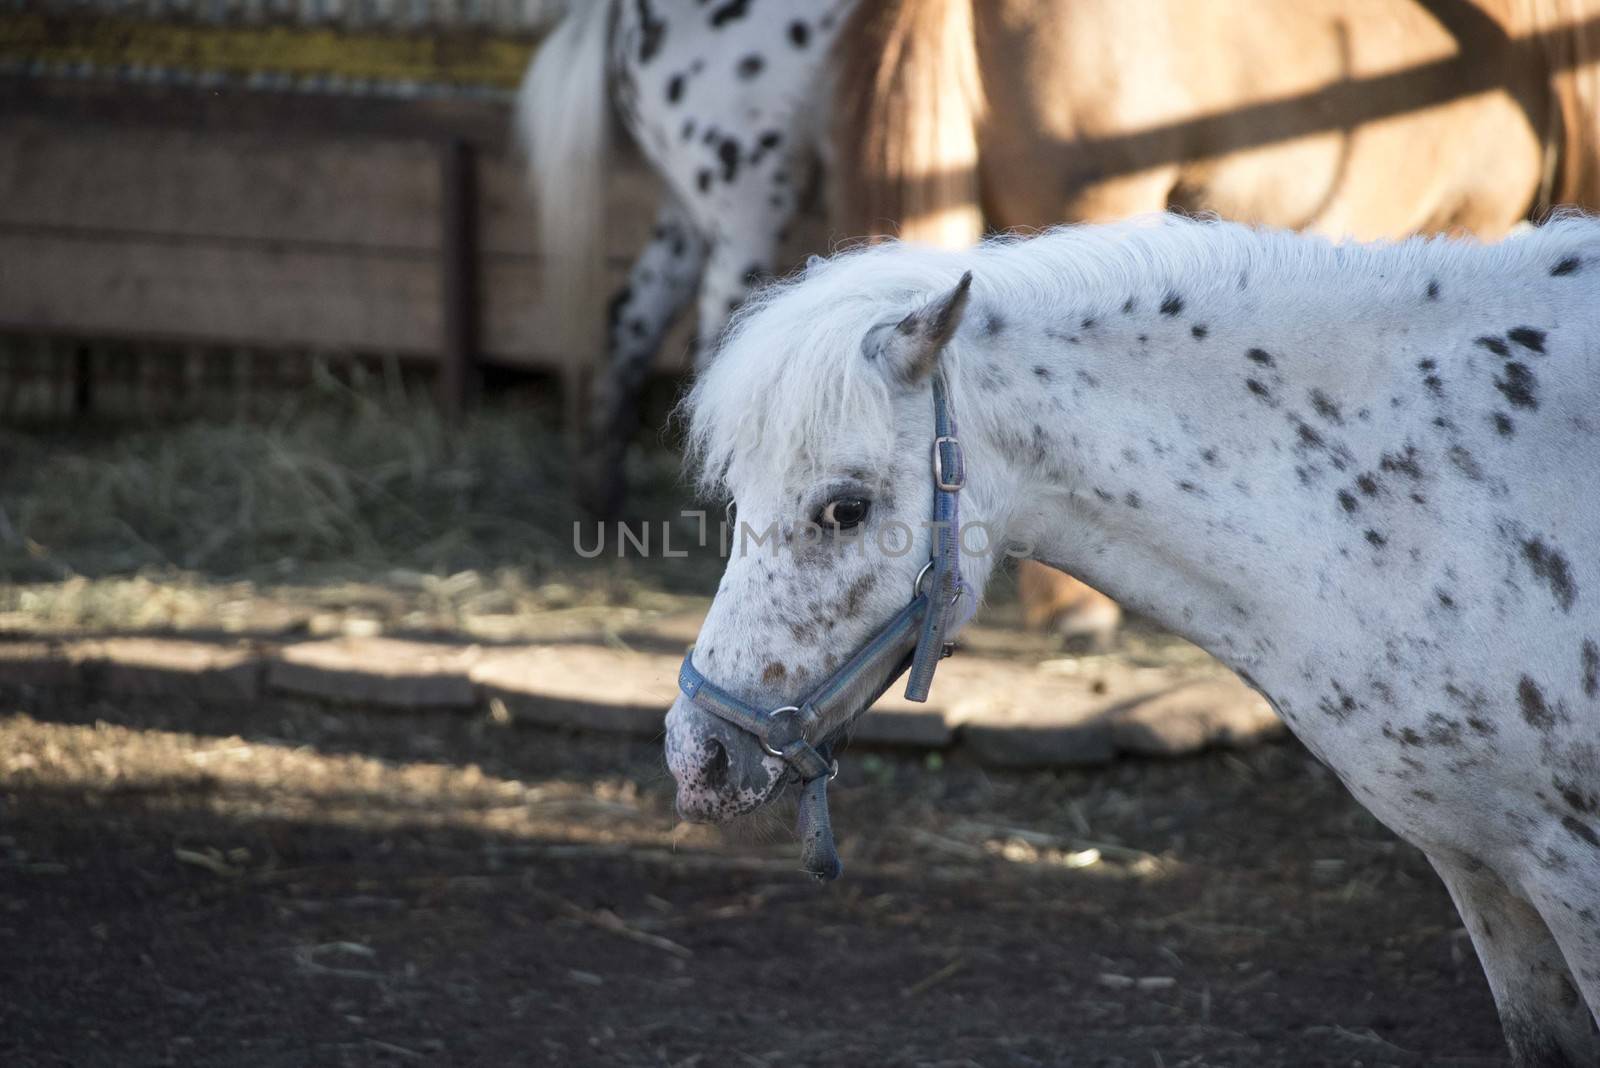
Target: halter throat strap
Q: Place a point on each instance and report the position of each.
(914, 638)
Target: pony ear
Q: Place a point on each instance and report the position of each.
(910, 349)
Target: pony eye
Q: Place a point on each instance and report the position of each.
(843, 514)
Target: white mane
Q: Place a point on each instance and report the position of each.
(790, 372)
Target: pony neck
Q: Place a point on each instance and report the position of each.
(1173, 439)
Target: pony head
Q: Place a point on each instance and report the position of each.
(816, 420)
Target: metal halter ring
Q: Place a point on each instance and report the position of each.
(916, 587)
(774, 714)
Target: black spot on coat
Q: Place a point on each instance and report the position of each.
(1260, 356)
(1565, 267)
(799, 34)
(1172, 305)
(728, 12)
(1549, 564)
(1340, 706)
(652, 33)
(1579, 829)
(1494, 345)
(750, 66)
(728, 154)
(1462, 457)
(1404, 463)
(1534, 708)
(1519, 386)
(1325, 407)
(1528, 338)
(1591, 668)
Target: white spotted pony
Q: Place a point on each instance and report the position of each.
(1361, 476)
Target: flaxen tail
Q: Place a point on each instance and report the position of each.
(909, 97)
(563, 126)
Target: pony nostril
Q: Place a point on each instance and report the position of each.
(716, 767)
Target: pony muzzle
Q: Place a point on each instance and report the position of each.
(721, 772)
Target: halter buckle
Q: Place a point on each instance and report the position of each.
(958, 464)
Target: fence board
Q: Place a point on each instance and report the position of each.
(185, 227)
(191, 290)
(261, 185)
(264, 294)
(218, 184)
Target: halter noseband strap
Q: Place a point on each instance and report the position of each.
(914, 638)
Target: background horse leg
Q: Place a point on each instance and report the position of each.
(658, 289)
(740, 258)
(1078, 613)
(1545, 1018)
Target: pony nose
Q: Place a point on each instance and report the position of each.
(714, 768)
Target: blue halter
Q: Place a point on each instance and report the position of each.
(914, 638)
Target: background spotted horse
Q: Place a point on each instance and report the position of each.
(724, 99)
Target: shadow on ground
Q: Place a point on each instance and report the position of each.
(286, 885)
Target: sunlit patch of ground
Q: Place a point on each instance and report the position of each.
(299, 884)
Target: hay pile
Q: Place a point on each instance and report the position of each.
(346, 482)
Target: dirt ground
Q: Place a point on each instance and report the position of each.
(307, 885)
(300, 885)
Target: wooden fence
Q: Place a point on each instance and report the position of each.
(217, 214)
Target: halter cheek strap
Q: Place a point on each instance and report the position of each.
(914, 638)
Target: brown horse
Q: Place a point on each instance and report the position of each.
(1352, 118)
